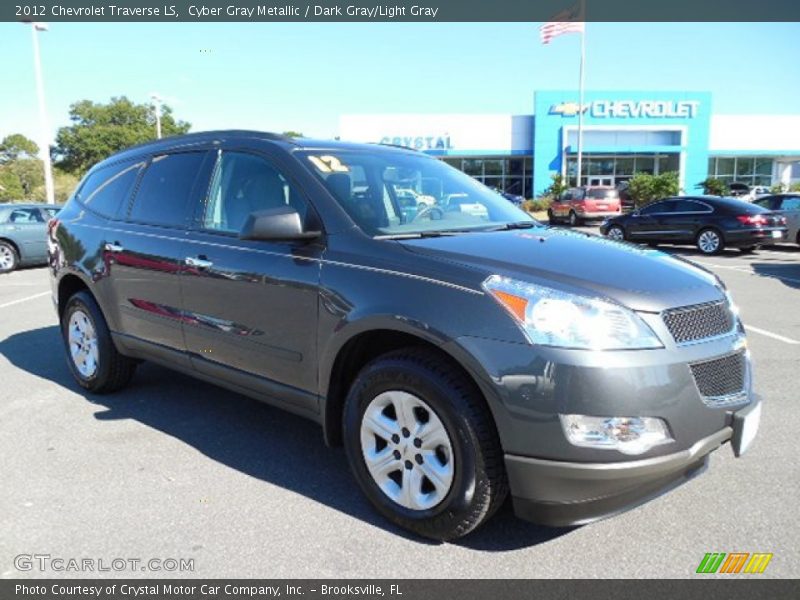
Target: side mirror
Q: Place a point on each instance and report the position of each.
(275, 224)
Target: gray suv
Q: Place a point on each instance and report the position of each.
(459, 351)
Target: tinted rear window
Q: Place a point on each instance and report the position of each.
(105, 189)
(733, 205)
(610, 194)
(163, 195)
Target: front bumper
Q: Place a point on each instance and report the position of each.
(561, 494)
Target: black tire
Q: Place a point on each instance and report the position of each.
(574, 220)
(11, 257)
(747, 249)
(479, 484)
(698, 242)
(113, 371)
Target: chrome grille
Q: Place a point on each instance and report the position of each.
(721, 380)
(698, 322)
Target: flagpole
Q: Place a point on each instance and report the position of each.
(580, 92)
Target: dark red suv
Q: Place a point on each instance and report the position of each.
(585, 203)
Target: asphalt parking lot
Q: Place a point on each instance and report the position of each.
(175, 468)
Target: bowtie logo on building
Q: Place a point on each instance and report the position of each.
(568, 109)
(734, 562)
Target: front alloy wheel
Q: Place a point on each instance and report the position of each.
(407, 450)
(616, 233)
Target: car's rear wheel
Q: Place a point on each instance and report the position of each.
(574, 221)
(615, 232)
(91, 355)
(709, 241)
(9, 259)
(422, 444)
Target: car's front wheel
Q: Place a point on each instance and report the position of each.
(574, 220)
(92, 357)
(8, 257)
(422, 444)
(615, 232)
(709, 241)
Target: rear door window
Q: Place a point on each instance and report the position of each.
(108, 188)
(166, 187)
(689, 206)
(791, 203)
(25, 216)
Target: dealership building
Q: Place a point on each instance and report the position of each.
(623, 133)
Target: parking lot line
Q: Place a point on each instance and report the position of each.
(21, 300)
(746, 270)
(771, 335)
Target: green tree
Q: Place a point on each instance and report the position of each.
(99, 130)
(293, 134)
(713, 187)
(17, 146)
(557, 186)
(10, 187)
(795, 187)
(645, 188)
(30, 173)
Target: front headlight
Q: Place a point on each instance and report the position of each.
(553, 318)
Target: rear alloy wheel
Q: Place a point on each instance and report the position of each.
(574, 221)
(8, 257)
(422, 444)
(91, 355)
(615, 232)
(709, 241)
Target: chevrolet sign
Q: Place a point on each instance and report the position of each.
(630, 109)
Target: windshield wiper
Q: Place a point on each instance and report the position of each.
(422, 234)
(514, 225)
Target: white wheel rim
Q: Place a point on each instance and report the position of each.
(82, 344)
(6, 257)
(708, 242)
(407, 450)
(615, 233)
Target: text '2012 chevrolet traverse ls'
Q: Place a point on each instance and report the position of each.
(457, 348)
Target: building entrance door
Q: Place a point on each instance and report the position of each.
(606, 181)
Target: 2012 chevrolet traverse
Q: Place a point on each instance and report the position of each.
(457, 348)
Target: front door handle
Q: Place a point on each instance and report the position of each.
(200, 263)
(113, 247)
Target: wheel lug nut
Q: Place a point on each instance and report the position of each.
(419, 459)
(408, 464)
(397, 454)
(406, 432)
(417, 443)
(395, 438)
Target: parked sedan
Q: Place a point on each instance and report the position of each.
(789, 206)
(709, 222)
(23, 234)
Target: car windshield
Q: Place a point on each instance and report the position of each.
(389, 193)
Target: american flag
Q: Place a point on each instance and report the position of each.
(567, 21)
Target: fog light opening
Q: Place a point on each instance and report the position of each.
(628, 435)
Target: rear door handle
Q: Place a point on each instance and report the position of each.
(113, 247)
(200, 263)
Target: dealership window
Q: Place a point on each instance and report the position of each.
(510, 174)
(614, 169)
(752, 170)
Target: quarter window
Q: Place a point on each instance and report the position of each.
(243, 184)
(792, 203)
(105, 189)
(163, 195)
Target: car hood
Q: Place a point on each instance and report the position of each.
(640, 278)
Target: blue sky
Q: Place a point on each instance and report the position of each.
(303, 76)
